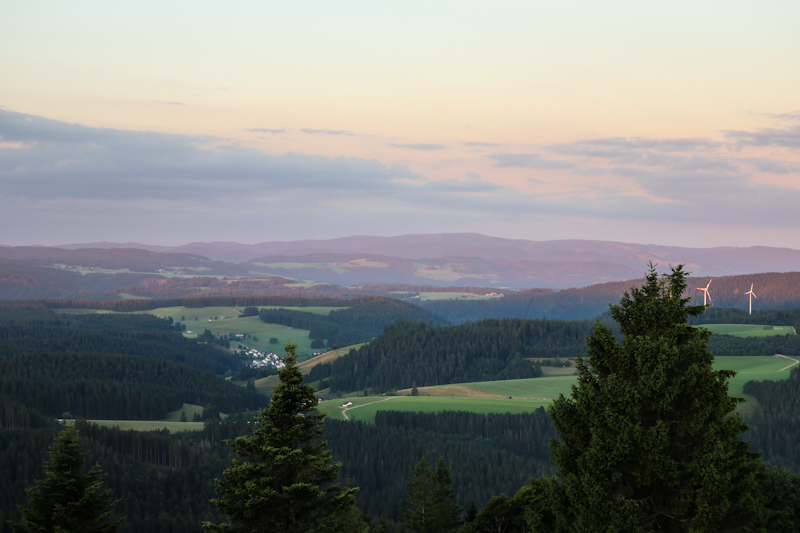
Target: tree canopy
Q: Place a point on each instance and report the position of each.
(67, 499)
(285, 481)
(650, 439)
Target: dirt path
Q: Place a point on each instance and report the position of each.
(790, 359)
(344, 411)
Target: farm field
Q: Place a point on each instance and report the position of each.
(253, 325)
(198, 319)
(190, 410)
(150, 425)
(428, 404)
(315, 310)
(529, 394)
(427, 296)
(748, 330)
(266, 384)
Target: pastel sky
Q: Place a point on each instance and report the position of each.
(672, 123)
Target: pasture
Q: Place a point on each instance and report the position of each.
(189, 408)
(364, 408)
(748, 330)
(325, 311)
(529, 394)
(265, 385)
(150, 425)
(426, 296)
(253, 325)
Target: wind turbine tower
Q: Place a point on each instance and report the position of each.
(752, 295)
(705, 292)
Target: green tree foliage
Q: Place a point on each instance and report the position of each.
(143, 335)
(650, 437)
(486, 454)
(363, 319)
(68, 499)
(106, 386)
(775, 426)
(491, 349)
(528, 511)
(285, 480)
(429, 504)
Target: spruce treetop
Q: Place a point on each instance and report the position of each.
(67, 499)
(284, 480)
(650, 437)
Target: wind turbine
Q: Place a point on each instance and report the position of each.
(752, 295)
(705, 292)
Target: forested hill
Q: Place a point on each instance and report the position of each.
(408, 354)
(118, 366)
(363, 319)
(773, 291)
(108, 386)
(122, 334)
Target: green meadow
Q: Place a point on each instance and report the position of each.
(150, 425)
(529, 394)
(369, 405)
(747, 330)
(426, 296)
(253, 325)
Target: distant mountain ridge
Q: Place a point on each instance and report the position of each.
(483, 260)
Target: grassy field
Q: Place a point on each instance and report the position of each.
(268, 383)
(529, 394)
(188, 408)
(747, 330)
(315, 310)
(429, 404)
(150, 425)
(201, 318)
(426, 296)
(253, 325)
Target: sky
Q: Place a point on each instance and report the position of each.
(673, 123)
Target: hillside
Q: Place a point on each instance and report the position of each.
(774, 291)
(516, 263)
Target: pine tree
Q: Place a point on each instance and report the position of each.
(429, 504)
(68, 500)
(285, 481)
(650, 436)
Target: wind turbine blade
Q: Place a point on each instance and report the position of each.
(709, 296)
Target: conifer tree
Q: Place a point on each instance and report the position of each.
(285, 481)
(68, 500)
(650, 439)
(429, 504)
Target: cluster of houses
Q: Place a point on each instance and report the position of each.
(263, 359)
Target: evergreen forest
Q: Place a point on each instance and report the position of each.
(139, 367)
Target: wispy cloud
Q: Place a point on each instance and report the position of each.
(266, 130)
(784, 138)
(503, 160)
(420, 146)
(328, 132)
(784, 116)
(58, 176)
(475, 144)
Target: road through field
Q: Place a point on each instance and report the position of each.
(790, 359)
(344, 411)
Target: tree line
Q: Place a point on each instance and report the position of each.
(110, 386)
(409, 354)
(144, 335)
(363, 319)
